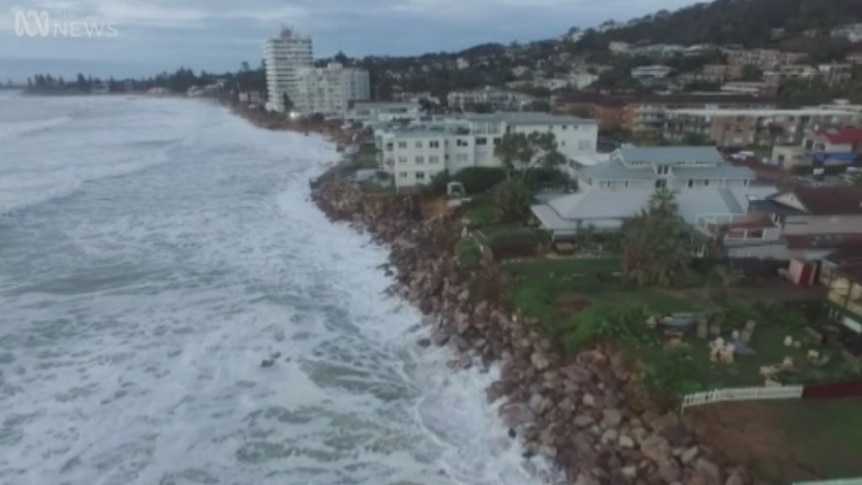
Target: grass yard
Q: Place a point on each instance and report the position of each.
(481, 211)
(788, 440)
(558, 291)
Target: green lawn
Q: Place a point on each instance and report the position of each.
(556, 291)
(481, 211)
(826, 436)
(469, 255)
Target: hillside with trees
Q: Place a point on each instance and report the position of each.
(748, 22)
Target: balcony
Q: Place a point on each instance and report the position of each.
(738, 227)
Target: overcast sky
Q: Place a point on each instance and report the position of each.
(216, 35)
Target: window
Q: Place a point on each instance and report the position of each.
(462, 157)
(434, 144)
(496, 140)
(690, 183)
(462, 142)
(420, 159)
(445, 157)
(706, 183)
(390, 162)
(660, 184)
(418, 144)
(389, 147)
(420, 175)
(433, 159)
(565, 127)
(481, 141)
(402, 159)
(402, 175)
(662, 169)
(402, 144)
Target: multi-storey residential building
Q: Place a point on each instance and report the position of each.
(675, 168)
(762, 58)
(647, 114)
(607, 110)
(790, 71)
(855, 57)
(748, 127)
(750, 88)
(283, 57)
(373, 112)
(489, 98)
(329, 90)
(656, 71)
(835, 73)
(721, 72)
(413, 154)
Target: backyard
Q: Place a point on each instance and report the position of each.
(585, 297)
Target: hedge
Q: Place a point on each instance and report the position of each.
(477, 180)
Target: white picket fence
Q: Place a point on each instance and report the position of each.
(741, 394)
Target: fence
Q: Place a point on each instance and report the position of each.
(742, 394)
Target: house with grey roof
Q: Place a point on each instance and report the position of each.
(675, 168)
(708, 212)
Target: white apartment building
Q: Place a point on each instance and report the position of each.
(372, 112)
(414, 154)
(329, 90)
(283, 57)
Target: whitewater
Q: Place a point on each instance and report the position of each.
(153, 252)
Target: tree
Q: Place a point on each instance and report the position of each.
(695, 139)
(513, 149)
(288, 104)
(751, 72)
(512, 198)
(656, 243)
(776, 131)
(720, 281)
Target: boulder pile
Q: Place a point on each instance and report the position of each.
(588, 413)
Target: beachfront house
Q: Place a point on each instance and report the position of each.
(414, 153)
(674, 168)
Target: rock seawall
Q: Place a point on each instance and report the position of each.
(586, 412)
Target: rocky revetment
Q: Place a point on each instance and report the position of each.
(586, 412)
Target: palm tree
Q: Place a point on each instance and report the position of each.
(656, 243)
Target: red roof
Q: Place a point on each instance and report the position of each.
(842, 136)
(839, 199)
(822, 241)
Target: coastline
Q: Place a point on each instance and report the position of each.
(586, 413)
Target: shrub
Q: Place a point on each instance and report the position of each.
(438, 184)
(534, 303)
(479, 180)
(513, 200)
(515, 241)
(547, 177)
(676, 371)
(469, 254)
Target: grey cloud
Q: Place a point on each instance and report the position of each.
(219, 34)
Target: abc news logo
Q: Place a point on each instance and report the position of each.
(45, 23)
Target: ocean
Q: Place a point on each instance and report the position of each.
(153, 252)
